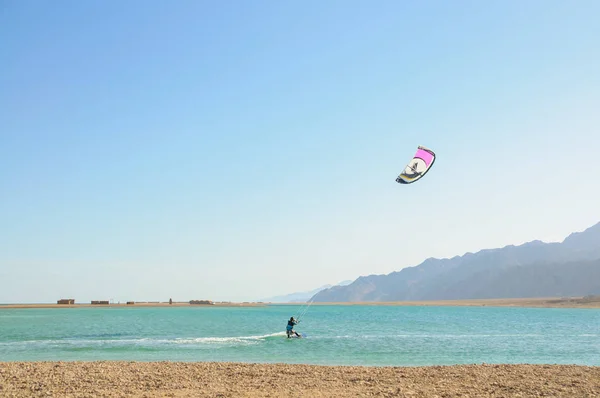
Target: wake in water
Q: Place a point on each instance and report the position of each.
(136, 343)
(231, 341)
(240, 339)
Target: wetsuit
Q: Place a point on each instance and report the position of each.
(290, 328)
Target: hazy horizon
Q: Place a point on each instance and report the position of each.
(204, 151)
(280, 294)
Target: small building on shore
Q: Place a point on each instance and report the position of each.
(202, 302)
(100, 302)
(65, 301)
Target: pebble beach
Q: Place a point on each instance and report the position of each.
(220, 379)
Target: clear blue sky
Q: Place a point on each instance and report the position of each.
(239, 150)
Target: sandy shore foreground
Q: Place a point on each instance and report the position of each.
(180, 379)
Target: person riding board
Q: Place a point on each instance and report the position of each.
(290, 327)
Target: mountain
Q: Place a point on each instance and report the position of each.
(533, 269)
(301, 297)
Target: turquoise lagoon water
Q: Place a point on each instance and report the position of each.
(335, 335)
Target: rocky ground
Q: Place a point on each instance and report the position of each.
(180, 379)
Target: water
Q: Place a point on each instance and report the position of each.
(335, 335)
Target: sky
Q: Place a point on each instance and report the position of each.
(234, 151)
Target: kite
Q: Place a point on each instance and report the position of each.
(418, 166)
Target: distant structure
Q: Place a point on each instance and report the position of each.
(170, 301)
(65, 301)
(130, 302)
(204, 302)
(102, 302)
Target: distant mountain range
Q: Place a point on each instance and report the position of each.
(301, 297)
(533, 269)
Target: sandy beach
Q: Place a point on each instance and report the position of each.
(543, 302)
(136, 305)
(180, 379)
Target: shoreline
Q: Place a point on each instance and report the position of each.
(538, 302)
(543, 302)
(136, 305)
(229, 379)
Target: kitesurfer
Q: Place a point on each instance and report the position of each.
(290, 327)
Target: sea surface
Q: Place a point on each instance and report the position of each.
(335, 335)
